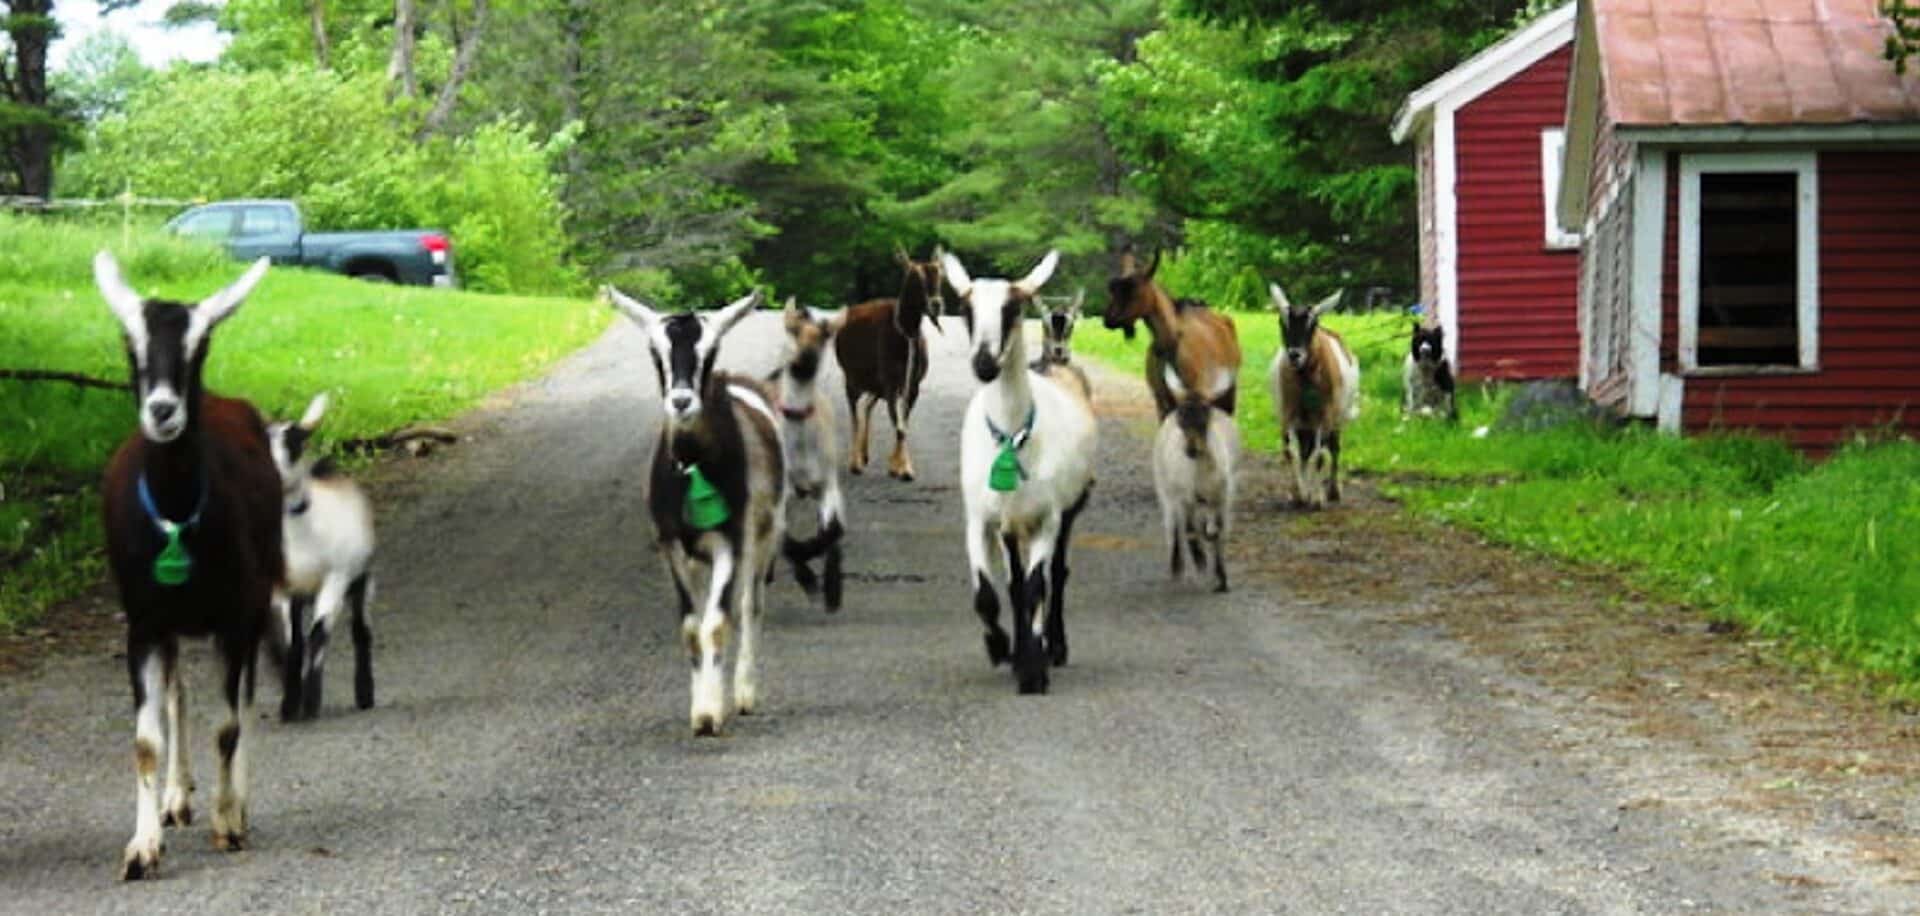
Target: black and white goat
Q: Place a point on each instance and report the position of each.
(813, 470)
(1315, 381)
(1427, 379)
(1193, 474)
(1026, 467)
(191, 504)
(1057, 319)
(328, 532)
(718, 497)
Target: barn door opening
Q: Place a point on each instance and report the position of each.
(1748, 285)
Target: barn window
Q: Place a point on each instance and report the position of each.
(1749, 262)
(1553, 152)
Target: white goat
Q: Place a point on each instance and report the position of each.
(1026, 467)
(813, 470)
(1193, 473)
(327, 528)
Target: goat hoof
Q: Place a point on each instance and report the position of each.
(706, 726)
(177, 817)
(1221, 589)
(143, 866)
(1058, 653)
(1034, 683)
(229, 840)
(998, 649)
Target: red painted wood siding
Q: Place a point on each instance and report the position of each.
(1869, 317)
(1517, 298)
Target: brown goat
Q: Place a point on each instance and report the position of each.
(1315, 381)
(192, 506)
(1200, 343)
(883, 357)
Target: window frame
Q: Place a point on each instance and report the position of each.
(1553, 152)
(1805, 167)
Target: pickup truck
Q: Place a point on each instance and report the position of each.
(251, 228)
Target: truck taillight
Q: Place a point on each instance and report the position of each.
(435, 243)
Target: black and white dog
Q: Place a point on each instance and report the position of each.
(1428, 380)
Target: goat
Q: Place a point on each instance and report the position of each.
(327, 528)
(1193, 474)
(883, 357)
(1316, 391)
(191, 505)
(1201, 344)
(1026, 468)
(1056, 342)
(717, 494)
(1427, 380)
(807, 430)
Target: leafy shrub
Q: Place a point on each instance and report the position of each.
(215, 134)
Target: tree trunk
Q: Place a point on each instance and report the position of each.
(573, 29)
(400, 66)
(463, 59)
(317, 10)
(30, 27)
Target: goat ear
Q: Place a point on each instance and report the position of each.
(316, 409)
(215, 308)
(792, 315)
(900, 255)
(125, 303)
(1039, 275)
(634, 309)
(829, 320)
(1280, 301)
(1326, 305)
(1172, 377)
(735, 310)
(1079, 299)
(956, 274)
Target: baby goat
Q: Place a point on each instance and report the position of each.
(1193, 470)
(1316, 392)
(191, 504)
(1427, 379)
(328, 530)
(1056, 342)
(813, 470)
(717, 494)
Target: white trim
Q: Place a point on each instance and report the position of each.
(1672, 400)
(1805, 165)
(1446, 220)
(1553, 146)
(1492, 66)
(1583, 123)
(1648, 260)
(1907, 131)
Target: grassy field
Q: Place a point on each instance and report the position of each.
(1820, 554)
(388, 355)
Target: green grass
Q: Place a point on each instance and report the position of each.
(1819, 554)
(388, 356)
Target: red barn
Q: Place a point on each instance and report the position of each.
(1749, 189)
(1495, 267)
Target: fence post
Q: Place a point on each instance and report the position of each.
(126, 218)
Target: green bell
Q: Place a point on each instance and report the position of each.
(706, 509)
(1006, 473)
(173, 565)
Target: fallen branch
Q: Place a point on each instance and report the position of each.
(49, 375)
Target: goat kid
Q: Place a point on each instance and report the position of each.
(1026, 451)
(1056, 342)
(328, 531)
(813, 471)
(191, 505)
(1194, 458)
(1316, 385)
(718, 497)
(1427, 380)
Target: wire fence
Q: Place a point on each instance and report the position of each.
(126, 201)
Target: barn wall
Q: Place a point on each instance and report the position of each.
(1869, 317)
(1517, 299)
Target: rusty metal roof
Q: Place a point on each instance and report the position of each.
(1749, 62)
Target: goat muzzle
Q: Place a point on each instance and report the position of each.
(986, 367)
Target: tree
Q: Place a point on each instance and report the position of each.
(30, 128)
(100, 74)
(1904, 43)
